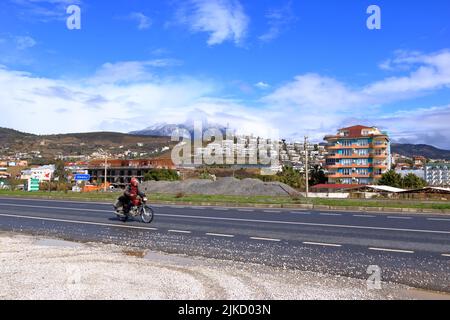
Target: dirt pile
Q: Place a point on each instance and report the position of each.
(223, 186)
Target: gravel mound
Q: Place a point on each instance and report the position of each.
(223, 186)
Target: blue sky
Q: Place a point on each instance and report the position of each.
(298, 66)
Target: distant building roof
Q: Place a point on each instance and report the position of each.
(386, 188)
(356, 128)
(335, 186)
(376, 188)
(436, 190)
(356, 132)
(438, 164)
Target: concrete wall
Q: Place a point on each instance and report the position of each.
(327, 195)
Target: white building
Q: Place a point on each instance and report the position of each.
(43, 173)
(438, 174)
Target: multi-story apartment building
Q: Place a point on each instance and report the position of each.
(438, 174)
(357, 155)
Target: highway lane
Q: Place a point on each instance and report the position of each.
(410, 249)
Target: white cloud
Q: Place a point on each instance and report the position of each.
(430, 72)
(224, 20)
(322, 104)
(44, 105)
(427, 73)
(278, 20)
(132, 95)
(130, 71)
(262, 85)
(314, 91)
(24, 42)
(421, 126)
(143, 21)
(44, 10)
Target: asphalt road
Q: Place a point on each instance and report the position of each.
(409, 249)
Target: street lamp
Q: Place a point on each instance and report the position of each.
(306, 167)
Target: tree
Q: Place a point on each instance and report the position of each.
(60, 171)
(292, 178)
(392, 179)
(411, 181)
(317, 176)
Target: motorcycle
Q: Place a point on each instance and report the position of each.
(136, 208)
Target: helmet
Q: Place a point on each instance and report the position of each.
(134, 182)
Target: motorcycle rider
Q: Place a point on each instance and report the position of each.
(123, 204)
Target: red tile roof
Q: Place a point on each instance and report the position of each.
(355, 131)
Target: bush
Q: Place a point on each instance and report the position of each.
(292, 178)
(161, 175)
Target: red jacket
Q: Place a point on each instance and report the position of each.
(132, 190)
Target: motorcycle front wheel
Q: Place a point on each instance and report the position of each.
(147, 214)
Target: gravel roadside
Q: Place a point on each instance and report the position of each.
(40, 268)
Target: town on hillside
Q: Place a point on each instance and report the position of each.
(357, 158)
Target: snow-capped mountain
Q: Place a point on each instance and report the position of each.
(166, 130)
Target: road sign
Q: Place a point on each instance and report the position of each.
(33, 184)
(82, 177)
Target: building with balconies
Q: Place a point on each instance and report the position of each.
(357, 155)
(437, 174)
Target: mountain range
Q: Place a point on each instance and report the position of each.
(186, 129)
(50, 146)
(424, 150)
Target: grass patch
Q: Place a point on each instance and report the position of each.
(237, 200)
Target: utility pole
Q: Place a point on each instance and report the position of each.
(306, 167)
(106, 170)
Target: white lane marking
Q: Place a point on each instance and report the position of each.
(246, 210)
(272, 211)
(297, 212)
(78, 222)
(307, 224)
(391, 250)
(330, 214)
(256, 221)
(446, 254)
(363, 216)
(403, 218)
(54, 200)
(221, 209)
(220, 235)
(322, 244)
(179, 231)
(198, 208)
(59, 208)
(265, 239)
(436, 219)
